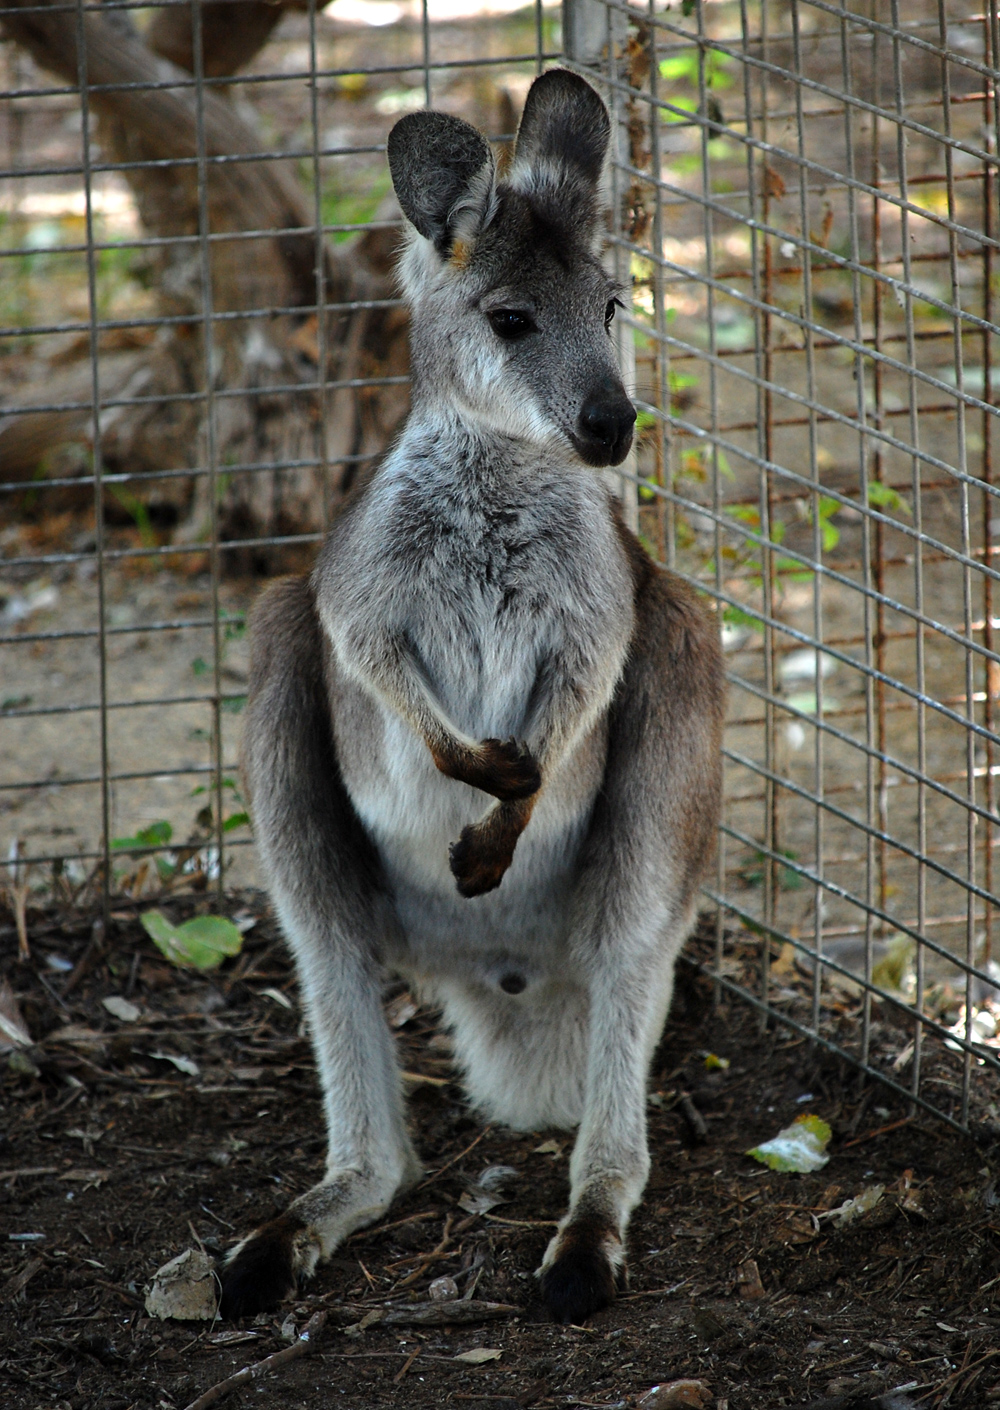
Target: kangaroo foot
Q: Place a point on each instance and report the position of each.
(583, 1268)
(267, 1266)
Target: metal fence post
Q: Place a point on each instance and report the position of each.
(594, 38)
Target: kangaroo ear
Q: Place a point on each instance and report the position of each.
(561, 146)
(443, 173)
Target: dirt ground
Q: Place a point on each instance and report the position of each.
(125, 1142)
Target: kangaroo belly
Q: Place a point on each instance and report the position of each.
(412, 812)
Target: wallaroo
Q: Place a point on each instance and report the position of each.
(482, 745)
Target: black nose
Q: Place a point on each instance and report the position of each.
(604, 426)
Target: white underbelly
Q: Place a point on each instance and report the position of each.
(413, 813)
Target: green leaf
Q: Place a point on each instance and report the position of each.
(234, 821)
(883, 496)
(227, 782)
(233, 704)
(736, 617)
(201, 943)
(799, 1147)
(158, 834)
(200, 666)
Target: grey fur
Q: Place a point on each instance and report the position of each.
(434, 159)
(480, 623)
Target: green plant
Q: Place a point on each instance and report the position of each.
(206, 818)
(829, 533)
(883, 496)
(686, 68)
(354, 201)
(201, 943)
(137, 511)
(752, 872)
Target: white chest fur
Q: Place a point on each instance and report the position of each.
(489, 586)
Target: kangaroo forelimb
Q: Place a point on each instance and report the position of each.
(504, 768)
(486, 848)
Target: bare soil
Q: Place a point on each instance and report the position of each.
(113, 1160)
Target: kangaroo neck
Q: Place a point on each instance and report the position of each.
(451, 440)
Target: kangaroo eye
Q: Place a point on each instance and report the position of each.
(609, 312)
(510, 325)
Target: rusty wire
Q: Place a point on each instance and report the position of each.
(805, 203)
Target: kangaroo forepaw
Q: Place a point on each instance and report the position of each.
(267, 1267)
(478, 861)
(510, 770)
(584, 1267)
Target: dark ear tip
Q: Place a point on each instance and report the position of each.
(564, 117)
(564, 83)
(569, 81)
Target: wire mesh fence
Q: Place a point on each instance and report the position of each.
(201, 345)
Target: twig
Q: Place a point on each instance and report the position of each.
(419, 1258)
(428, 1257)
(17, 890)
(396, 1223)
(654, 1292)
(439, 1314)
(20, 1281)
(694, 1118)
(87, 959)
(879, 1131)
(302, 1346)
(455, 1159)
(522, 1223)
(406, 1366)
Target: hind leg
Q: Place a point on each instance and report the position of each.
(650, 836)
(324, 879)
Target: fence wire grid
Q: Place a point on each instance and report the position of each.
(805, 209)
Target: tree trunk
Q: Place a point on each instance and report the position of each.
(273, 271)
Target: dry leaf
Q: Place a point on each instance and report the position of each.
(88, 1177)
(553, 1148)
(182, 1064)
(677, 1395)
(479, 1203)
(13, 1029)
(798, 1229)
(77, 1035)
(233, 1338)
(306, 339)
(478, 1355)
(443, 1290)
(773, 184)
(748, 1281)
(184, 1289)
(854, 1208)
(119, 1007)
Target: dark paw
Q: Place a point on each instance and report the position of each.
(583, 1278)
(260, 1273)
(510, 770)
(477, 864)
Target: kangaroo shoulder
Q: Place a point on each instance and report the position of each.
(673, 626)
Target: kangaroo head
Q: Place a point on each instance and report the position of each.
(511, 305)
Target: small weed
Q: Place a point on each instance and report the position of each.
(752, 872)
